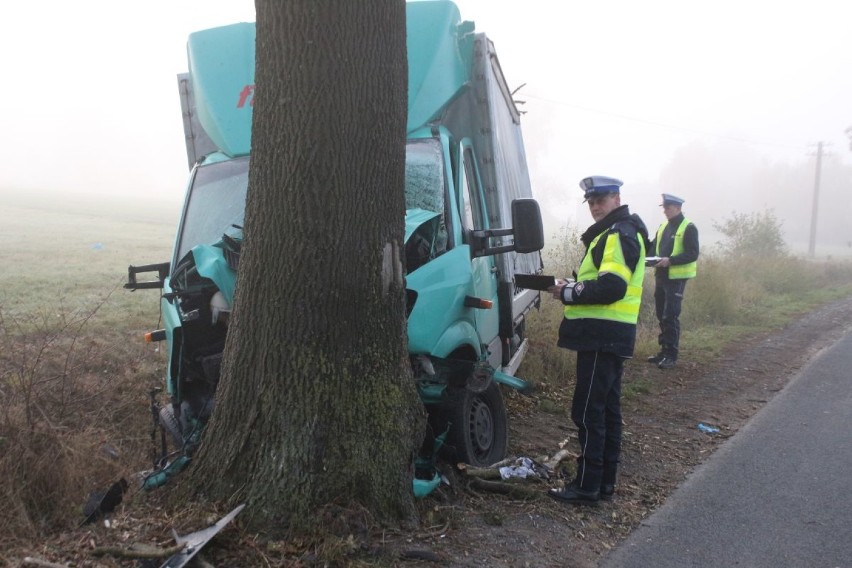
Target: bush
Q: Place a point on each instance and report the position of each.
(782, 275)
(832, 272)
(742, 287)
(755, 235)
(717, 295)
(71, 421)
(565, 256)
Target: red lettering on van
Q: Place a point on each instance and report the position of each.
(246, 95)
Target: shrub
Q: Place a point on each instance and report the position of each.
(756, 235)
(564, 257)
(782, 275)
(716, 295)
(742, 286)
(71, 421)
(832, 272)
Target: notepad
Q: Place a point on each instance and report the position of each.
(534, 281)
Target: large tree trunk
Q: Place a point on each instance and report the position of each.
(316, 403)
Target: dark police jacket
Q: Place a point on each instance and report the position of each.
(690, 245)
(588, 334)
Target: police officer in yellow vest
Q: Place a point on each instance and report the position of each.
(676, 246)
(601, 309)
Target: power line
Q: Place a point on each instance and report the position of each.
(663, 125)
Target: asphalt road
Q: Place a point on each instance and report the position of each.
(777, 494)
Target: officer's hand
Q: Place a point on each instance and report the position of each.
(663, 262)
(556, 289)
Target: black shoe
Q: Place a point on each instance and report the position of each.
(607, 491)
(656, 358)
(575, 496)
(667, 363)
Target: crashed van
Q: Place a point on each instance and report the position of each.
(471, 225)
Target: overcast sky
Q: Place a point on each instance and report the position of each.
(89, 99)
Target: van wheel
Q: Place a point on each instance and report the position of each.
(479, 434)
(169, 423)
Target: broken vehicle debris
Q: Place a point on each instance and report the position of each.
(100, 503)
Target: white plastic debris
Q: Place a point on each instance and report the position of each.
(523, 468)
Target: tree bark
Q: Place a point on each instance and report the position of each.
(316, 403)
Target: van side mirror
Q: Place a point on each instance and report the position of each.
(162, 270)
(526, 221)
(526, 229)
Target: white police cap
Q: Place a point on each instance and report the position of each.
(599, 185)
(669, 199)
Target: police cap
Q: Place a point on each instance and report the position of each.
(599, 185)
(669, 199)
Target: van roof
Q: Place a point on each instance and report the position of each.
(222, 71)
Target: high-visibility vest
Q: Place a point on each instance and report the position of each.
(681, 271)
(626, 309)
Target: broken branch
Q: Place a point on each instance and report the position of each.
(39, 563)
(482, 472)
(557, 458)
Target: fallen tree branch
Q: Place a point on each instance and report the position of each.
(39, 563)
(557, 458)
(482, 472)
(502, 463)
(432, 532)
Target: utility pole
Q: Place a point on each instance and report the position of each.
(812, 241)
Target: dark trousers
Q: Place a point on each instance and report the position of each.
(596, 410)
(668, 297)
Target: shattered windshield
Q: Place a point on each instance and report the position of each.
(217, 200)
(218, 194)
(424, 176)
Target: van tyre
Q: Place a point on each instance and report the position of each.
(479, 434)
(169, 423)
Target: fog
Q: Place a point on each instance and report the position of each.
(721, 103)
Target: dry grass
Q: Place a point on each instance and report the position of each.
(75, 377)
(74, 374)
(73, 418)
(729, 299)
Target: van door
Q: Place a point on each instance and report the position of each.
(484, 269)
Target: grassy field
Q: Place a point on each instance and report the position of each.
(75, 376)
(70, 254)
(74, 370)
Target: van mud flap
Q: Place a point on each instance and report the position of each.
(436, 374)
(520, 385)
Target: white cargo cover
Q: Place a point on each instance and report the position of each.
(499, 146)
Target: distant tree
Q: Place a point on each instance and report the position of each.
(753, 234)
(316, 403)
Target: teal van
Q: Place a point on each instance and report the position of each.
(471, 224)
